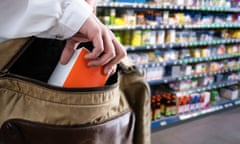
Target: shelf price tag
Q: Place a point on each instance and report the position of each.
(195, 114)
(165, 81)
(185, 116)
(221, 107)
(237, 102)
(226, 105)
(163, 123)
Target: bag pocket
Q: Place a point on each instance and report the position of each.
(26, 95)
(117, 130)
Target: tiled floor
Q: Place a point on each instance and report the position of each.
(219, 128)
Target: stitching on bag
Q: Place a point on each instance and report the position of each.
(18, 82)
(52, 102)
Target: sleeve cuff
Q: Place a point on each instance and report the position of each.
(74, 16)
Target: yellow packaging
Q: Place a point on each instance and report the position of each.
(236, 34)
(180, 19)
(205, 52)
(229, 50)
(126, 37)
(195, 53)
(171, 36)
(137, 38)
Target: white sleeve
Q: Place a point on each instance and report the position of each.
(58, 19)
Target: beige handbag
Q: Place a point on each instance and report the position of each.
(33, 112)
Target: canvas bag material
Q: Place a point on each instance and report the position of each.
(29, 105)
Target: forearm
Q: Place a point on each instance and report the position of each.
(42, 18)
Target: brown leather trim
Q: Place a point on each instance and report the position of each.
(118, 130)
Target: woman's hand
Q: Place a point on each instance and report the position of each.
(104, 42)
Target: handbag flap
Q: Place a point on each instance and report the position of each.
(8, 49)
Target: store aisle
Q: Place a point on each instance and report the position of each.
(219, 128)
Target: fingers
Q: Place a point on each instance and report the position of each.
(108, 51)
(98, 46)
(120, 53)
(68, 51)
(112, 54)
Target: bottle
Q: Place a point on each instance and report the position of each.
(163, 104)
(157, 108)
(153, 106)
(168, 106)
(173, 104)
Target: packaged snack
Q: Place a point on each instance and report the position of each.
(171, 36)
(160, 37)
(206, 95)
(196, 53)
(150, 17)
(165, 17)
(176, 71)
(192, 37)
(137, 38)
(186, 69)
(170, 55)
(159, 55)
(152, 57)
(180, 19)
(186, 102)
(184, 53)
(205, 52)
(146, 37)
(159, 18)
(140, 20)
(207, 19)
(130, 18)
(229, 92)
(221, 50)
(180, 105)
(194, 83)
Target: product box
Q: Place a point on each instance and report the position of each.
(206, 95)
(176, 71)
(229, 92)
(76, 73)
(186, 69)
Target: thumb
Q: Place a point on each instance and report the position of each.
(68, 51)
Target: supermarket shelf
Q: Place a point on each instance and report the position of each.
(188, 60)
(186, 77)
(146, 27)
(120, 5)
(212, 26)
(165, 27)
(179, 118)
(206, 88)
(183, 45)
(212, 9)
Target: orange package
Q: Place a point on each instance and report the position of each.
(77, 74)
